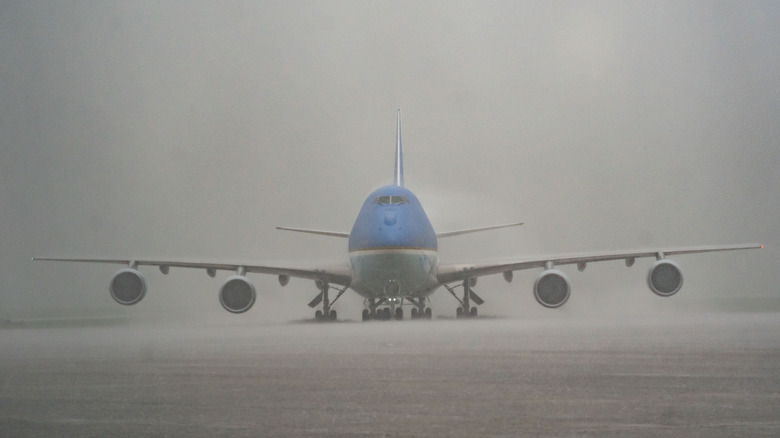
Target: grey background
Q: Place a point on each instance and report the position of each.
(191, 129)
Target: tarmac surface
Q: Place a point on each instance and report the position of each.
(706, 375)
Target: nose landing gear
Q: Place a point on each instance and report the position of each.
(384, 309)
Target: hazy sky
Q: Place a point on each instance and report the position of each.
(191, 129)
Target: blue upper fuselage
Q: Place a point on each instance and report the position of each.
(392, 217)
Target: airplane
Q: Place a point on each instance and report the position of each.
(393, 262)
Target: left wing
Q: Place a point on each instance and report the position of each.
(337, 275)
(459, 272)
(237, 294)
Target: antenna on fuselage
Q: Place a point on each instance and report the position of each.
(399, 155)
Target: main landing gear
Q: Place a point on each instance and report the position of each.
(326, 313)
(466, 310)
(384, 309)
(419, 311)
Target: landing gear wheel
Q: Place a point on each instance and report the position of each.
(333, 314)
(428, 313)
(415, 313)
(318, 315)
(366, 314)
(459, 312)
(386, 314)
(473, 312)
(399, 314)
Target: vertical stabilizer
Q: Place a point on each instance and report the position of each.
(399, 155)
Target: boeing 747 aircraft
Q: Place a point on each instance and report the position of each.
(393, 262)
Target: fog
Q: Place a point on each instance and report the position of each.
(678, 377)
(189, 130)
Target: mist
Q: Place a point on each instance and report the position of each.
(189, 130)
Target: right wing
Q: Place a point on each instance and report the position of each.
(459, 272)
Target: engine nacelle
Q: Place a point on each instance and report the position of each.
(552, 288)
(237, 294)
(128, 286)
(664, 278)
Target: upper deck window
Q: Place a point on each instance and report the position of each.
(390, 200)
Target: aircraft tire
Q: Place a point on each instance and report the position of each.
(428, 313)
(473, 312)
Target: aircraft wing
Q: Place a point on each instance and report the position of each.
(449, 273)
(335, 275)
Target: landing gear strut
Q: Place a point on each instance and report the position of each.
(419, 311)
(384, 309)
(393, 309)
(466, 310)
(326, 314)
(372, 311)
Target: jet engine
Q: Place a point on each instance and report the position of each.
(664, 278)
(552, 288)
(237, 294)
(128, 286)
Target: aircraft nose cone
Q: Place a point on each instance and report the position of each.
(390, 218)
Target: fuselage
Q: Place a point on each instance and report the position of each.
(392, 246)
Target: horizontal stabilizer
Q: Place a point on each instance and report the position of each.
(322, 233)
(474, 230)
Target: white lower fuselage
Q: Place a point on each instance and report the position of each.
(394, 272)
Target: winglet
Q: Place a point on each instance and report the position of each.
(399, 155)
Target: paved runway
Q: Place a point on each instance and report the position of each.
(716, 375)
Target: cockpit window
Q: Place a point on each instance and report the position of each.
(390, 200)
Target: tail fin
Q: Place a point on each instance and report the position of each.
(399, 155)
